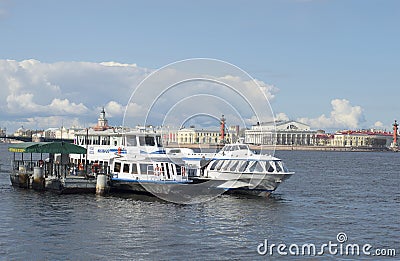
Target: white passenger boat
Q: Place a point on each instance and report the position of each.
(235, 168)
(103, 146)
(103, 143)
(156, 175)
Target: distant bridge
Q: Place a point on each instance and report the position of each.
(29, 139)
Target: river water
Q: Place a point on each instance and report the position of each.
(355, 193)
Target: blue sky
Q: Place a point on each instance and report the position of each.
(318, 53)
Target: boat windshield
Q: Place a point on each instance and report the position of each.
(147, 140)
(243, 147)
(235, 147)
(131, 140)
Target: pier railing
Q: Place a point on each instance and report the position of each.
(56, 169)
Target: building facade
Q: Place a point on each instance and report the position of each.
(201, 136)
(280, 133)
(362, 138)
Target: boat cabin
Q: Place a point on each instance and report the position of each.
(104, 146)
(147, 170)
(247, 166)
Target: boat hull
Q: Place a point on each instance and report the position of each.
(146, 186)
(251, 184)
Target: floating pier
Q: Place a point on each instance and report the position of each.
(55, 173)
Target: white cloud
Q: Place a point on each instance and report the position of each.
(66, 107)
(76, 91)
(343, 115)
(378, 124)
(111, 64)
(114, 109)
(51, 121)
(32, 89)
(23, 101)
(281, 117)
(248, 86)
(202, 92)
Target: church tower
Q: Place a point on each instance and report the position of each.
(102, 122)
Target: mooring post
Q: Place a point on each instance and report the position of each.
(38, 178)
(101, 184)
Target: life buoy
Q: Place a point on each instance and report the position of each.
(183, 171)
(119, 150)
(157, 170)
(95, 167)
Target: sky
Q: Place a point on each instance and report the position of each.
(332, 64)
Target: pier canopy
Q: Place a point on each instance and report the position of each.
(47, 147)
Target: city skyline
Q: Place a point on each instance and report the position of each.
(330, 64)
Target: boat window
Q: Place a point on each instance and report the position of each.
(166, 170)
(218, 167)
(178, 169)
(243, 166)
(236, 147)
(251, 166)
(141, 141)
(192, 172)
(95, 140)
(150, 141)
(256, 167)
(226, 165)
(126, 168)
(131, 140)
(234, 165)
(243, 147)
(146, 169)
(134, 168)
(278, 167)
(259, 167)
(268, 167)
(271, 166)
(105, 140)
(117, 167)
(214, 164)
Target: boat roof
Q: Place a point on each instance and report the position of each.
(150, 160)
(47, 147)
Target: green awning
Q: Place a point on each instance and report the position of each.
(47, 147)
(24, 147)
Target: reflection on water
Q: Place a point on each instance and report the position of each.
(331, 192)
